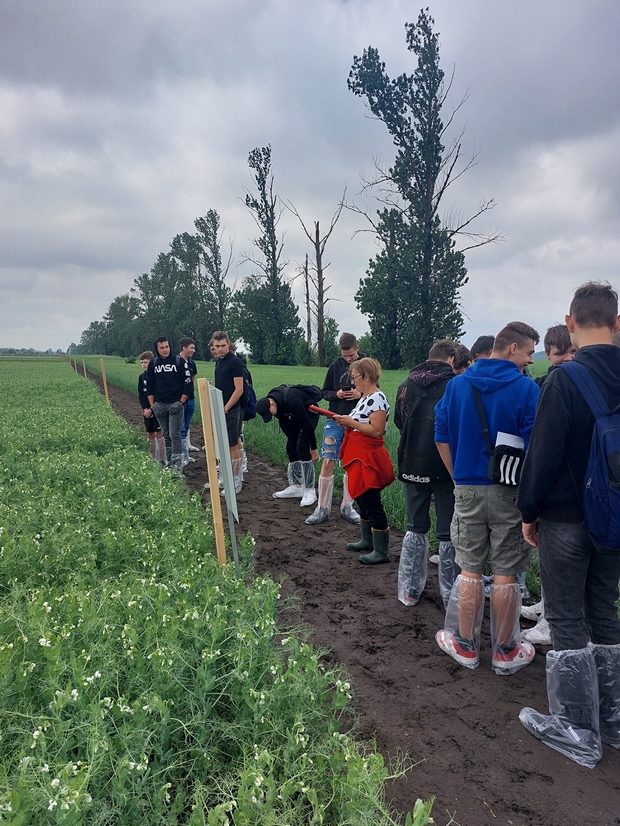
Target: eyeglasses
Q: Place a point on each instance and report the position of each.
(354, 377)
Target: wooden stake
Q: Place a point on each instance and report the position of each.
(216, 502)
(84, 366)
(105, 381)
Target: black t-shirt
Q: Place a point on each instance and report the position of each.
(190, 366)
(226, 371)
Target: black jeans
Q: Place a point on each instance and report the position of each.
(299, 442)
(580, 585)
(371, 509)
(418, 503)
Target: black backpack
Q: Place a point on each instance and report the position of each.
(248, 400)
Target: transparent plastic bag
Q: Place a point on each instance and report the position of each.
(460, 637)
(607, 662)
(572, 727)
(508, 652)
(412, 569)
(448, 570)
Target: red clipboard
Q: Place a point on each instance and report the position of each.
(322, 411)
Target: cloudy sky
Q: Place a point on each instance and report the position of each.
(121, 122)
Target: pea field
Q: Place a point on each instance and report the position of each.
(141, 683)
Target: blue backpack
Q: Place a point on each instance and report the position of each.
(601, 491)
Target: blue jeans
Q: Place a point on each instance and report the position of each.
(170, 417)
(190, 406)
(580, 585)
(331, 449)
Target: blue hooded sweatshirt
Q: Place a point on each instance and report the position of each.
(509, 400)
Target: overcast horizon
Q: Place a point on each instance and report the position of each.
(123, 123)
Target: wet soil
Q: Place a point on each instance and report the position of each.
(461, 725)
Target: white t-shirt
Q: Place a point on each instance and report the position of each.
(369, 404)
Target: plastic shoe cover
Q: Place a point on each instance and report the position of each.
(244, 461)
(508, 653)
(448, 570)
(532, 612)
(237, 464)
(186, 457)
(309, 495)
(434, 559)
(607, 662)
(458, 648)
(318, 516)
(540, 634)
(190, 446)
(347, 510)
(464, 615)
(294, 490)
(412, 568)
(572, 727)
(525, 594)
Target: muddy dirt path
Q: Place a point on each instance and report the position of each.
(462, 725)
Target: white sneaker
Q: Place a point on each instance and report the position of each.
(309, 498)
(532, 612)
(291, 492)
(207, 485)
(434, 559)
(540, 634)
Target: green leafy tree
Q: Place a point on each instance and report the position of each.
(265, 315)
(411, 290)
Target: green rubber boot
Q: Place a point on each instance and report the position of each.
(380, 544)
(365, 543)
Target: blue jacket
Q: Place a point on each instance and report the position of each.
(509, 400)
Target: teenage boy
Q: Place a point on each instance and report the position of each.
(157, 444)
(188, 348)
(167, 384)
(579, 578)
(558, 348)
(482, 348)
(342, 396)
(424, 474)
(485, 513)
(229, 379)
(289, 404)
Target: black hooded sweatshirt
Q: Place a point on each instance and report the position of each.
(419, 461)
(562, 436)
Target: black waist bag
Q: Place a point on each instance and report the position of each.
(505, 461)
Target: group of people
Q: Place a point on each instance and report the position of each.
(503, 457)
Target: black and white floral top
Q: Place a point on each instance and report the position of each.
(369, 404)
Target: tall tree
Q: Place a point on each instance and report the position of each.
(265, 311)
(317, 274)
(411, 290)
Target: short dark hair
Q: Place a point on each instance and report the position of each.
(347, 341)
(515, 332)
(148, 354)
(218, 335)
(161, 340)
(595, 304)
(185, 342)
(557, 336)
(462, 360)
(442, 350)
(483, 344)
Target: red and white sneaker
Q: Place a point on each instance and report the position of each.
(508, 661)
(448, 643)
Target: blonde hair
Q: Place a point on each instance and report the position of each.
(368, 369)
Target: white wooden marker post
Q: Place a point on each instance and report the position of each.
(216, 446)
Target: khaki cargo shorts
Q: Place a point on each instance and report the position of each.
(486, 518)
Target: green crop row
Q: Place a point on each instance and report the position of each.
(140, 682)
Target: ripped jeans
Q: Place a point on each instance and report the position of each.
(332, 440)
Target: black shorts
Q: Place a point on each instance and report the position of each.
(234, 422)
(151, 425)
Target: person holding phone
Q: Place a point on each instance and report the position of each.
(342, 395)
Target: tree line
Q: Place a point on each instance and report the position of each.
(410, 292)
